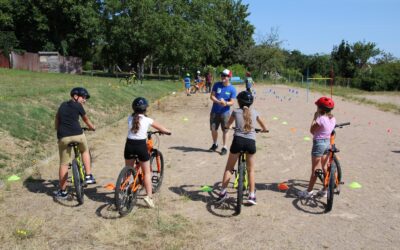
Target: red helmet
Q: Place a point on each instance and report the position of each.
(325, 103)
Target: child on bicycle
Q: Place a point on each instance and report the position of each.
(321, 128)
(186, 81)
(138, 125)
(69, 130)
(244, 140)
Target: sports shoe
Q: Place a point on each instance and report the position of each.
(322, 193)
(222, 197)
(305, 194)
(252, 201)
(214, 147)
(61, 195)
(89, 179)
(149, 202)
(223, 151)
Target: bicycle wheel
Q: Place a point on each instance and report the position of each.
(193, 89)
(338, 169)
(331, 188)
(239, 199)
(78, 181)
(125, 198)
(157, 169)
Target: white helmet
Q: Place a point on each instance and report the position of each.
(198, 71)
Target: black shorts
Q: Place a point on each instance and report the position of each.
(136, 147)
(243, 144)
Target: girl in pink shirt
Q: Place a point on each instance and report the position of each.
(321, 128)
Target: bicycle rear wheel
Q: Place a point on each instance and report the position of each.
(157, 169)
(239, 199)
(125, 197)
(331, 188)
(193, 89)
(78, 181)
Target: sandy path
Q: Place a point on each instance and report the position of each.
(361, 218)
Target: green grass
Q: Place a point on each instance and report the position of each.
(29, 102)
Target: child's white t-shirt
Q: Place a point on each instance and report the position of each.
(145, 123)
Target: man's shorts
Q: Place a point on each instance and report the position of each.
(65, 151)
(187, 86)
(320, 147)
(218, 119)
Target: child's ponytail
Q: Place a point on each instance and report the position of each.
(247, 119)
(135, 123)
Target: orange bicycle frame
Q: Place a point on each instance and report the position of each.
(330, 159)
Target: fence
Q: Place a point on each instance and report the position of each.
(42, 62)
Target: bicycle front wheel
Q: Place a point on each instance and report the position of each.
(78, 181)
(157, 169)
(239, 199)
(338, 169)
(125, 197)
(331, 188)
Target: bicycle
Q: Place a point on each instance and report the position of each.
(199, 86)
(131, 179)
(241, 178)
(78, 171)
(129, 79)
(332, 179)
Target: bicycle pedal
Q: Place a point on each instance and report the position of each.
(342, 182)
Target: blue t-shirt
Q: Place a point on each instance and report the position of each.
(187, 82)
(225, 92)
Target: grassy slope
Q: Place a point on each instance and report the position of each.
(29, 101)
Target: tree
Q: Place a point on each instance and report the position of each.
(362, 52)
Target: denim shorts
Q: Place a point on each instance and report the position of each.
(320, 147)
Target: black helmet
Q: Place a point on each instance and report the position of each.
(140, 104)
(79, 91)
(245, 98)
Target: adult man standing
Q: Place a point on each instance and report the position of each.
(222, 95)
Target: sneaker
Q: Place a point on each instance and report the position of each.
(222, 197)
(252, 201)
(223, 151)
(149, 202)
(305, 194)
(322, 193)
(89, 179)
(214, 147)
(61, 195)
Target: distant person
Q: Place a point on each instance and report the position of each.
(209, 80)
(69, 130)
(249, 82)
(138, 125)
(321, 128)
(187, 81)
(222, 95)
(244, 139)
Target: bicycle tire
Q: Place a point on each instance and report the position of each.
(193, 90)
(239, 199)
(78, 182)
(338, 168)
(157, 171)
(125, 198)
(331, 188)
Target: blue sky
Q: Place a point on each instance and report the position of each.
(315, 26)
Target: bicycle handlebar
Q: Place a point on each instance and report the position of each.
(157, 132)
(258, 130)
(87, 129)
(341, 125)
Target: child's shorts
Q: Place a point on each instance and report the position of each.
(243, 144)
(320, 147)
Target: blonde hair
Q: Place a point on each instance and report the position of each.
(247, 119)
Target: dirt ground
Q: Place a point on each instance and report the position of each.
(363, 218)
